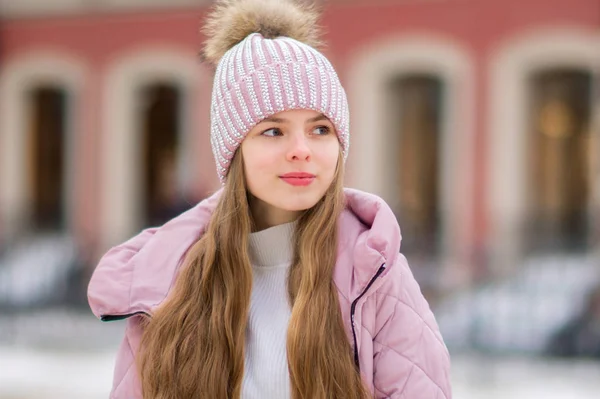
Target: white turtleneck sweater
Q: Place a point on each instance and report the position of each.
(266, 374)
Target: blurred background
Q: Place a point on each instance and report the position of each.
(478, 121)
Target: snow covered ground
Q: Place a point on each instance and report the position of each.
(67, 355)
(46, 374)
(50, 374)
(476, 377)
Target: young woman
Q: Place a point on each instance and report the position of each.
(283, 284)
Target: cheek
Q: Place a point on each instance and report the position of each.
(257, 167)
(328, 158)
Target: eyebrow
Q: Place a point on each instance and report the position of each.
(273, 119)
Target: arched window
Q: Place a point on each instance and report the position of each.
(560, 163)
(161, 134)
(47, 124)
(415, 106)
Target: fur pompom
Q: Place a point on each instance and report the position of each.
(231, 21)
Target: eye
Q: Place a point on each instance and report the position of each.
(322, 130)
(271, 132)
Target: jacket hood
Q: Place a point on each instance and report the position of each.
(137, 276)
(369, 237)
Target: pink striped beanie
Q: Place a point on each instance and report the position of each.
(259, 77)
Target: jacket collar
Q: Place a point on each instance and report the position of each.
(369, 236)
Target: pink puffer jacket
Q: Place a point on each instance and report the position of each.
(397, 343)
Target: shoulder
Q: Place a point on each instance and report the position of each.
(136, 275)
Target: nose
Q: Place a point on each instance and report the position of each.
(299, 149)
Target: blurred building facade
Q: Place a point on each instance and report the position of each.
(476, 120)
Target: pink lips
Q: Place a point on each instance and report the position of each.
(298, 178)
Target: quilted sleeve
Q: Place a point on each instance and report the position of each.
(126, 383)
(411, 360)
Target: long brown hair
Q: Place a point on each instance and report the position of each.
(193, 345)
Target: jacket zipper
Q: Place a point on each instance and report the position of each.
(353, 308)
(120, 317)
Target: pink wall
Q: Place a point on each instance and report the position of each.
(478, 25)
(97, 41)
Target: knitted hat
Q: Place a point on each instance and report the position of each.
(266, 63)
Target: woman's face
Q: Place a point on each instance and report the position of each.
(290, 159)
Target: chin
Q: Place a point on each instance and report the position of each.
(298, 202)
(296, 206)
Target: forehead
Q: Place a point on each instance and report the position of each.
(295, 115)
